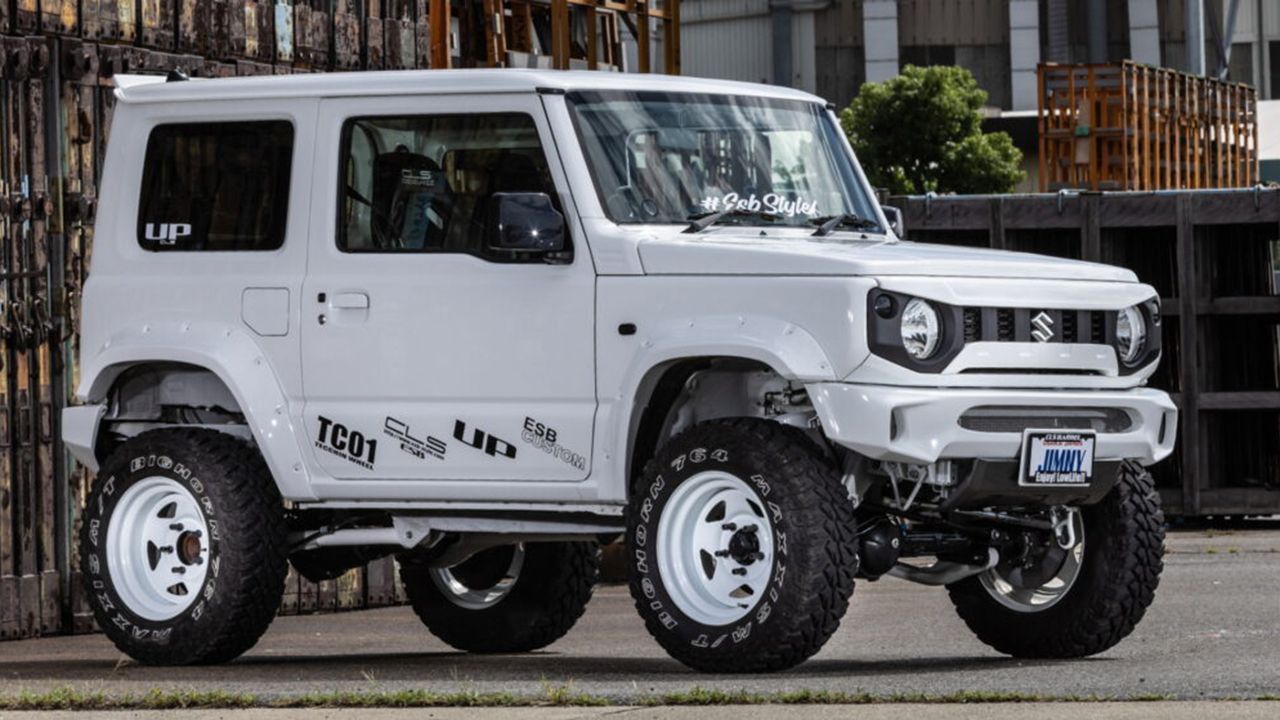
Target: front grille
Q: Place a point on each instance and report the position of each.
(1035, 325)
(1069, 327)
(972, 324)
(1015, 419)
(1004, 324)
(1097, 322)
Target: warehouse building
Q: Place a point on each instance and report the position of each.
(831, 47)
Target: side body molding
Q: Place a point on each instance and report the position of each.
(228, 352)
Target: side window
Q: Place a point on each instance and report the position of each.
(216, 186)
(423, 184)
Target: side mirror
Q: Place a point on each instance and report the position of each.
(894, 216)
(526, 226)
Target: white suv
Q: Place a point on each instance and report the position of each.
(486, 320)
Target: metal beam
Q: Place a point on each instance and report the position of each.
(1195, 36)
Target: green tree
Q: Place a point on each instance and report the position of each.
(922, 132)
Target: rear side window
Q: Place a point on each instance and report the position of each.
(216, 186)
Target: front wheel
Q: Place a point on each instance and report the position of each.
(506, 599)
(740, 547)
(1079, 600)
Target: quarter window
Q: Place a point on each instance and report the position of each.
(425, 184)
(216, 186)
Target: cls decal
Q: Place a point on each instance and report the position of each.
(481, 440)
(336, 439)
(167, 233)
(417, 447)
(544, 437)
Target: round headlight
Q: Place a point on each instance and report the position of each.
(1131, 334)
(920, 329)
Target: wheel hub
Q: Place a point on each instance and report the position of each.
(482, 581)
(190, 548)
(744, 545)
(156, 548)
(1040, 572)
(715, 548)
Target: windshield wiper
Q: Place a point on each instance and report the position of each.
(698, 223)
(827, 225)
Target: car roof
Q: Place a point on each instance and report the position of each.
(154, 88)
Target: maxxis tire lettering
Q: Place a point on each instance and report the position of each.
(764, 639)
(242, 511)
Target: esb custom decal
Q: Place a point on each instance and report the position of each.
(352, 446)
(546, 438)
(419, 447)
(483, 441)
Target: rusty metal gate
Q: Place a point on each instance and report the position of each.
(57, 61)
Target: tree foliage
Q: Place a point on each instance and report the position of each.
(922, 132)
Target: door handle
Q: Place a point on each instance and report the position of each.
(350, 301)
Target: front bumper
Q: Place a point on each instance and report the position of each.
(922, 425)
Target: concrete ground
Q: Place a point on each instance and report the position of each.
(1212, 633)
(1194, 710)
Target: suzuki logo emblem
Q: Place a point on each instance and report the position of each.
(1042, 327)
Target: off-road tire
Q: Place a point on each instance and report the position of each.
(1124, 547)
(245, 548)
(809, 507)
(550, 594)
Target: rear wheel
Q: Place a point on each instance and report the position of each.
(1078, 597)
(182, 547)
(507, 599)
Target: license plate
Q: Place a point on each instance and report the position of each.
(1052, 458)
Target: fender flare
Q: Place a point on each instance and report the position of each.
(788, 349)
(237, 360)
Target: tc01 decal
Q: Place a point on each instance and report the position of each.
(419, 447)
(336, 439)
(483, 441)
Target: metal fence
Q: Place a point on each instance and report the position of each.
(1212, 255)
(57, 61)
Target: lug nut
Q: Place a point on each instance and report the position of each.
(729, 527)
(180, 570)
(722, 553)
(739, 571)
(176, 527)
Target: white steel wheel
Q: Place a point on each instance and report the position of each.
(1037, 588)
(157, 548)
(481, 581)
(715, 548)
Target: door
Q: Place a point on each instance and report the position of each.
(428, 356)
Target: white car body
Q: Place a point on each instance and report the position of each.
(417, 344)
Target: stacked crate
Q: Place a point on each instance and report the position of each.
(1209, 255)
(1133, 127)
(58, 59)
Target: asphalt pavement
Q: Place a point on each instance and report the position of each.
(1212, 633)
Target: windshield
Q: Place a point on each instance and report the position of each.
(671, 157)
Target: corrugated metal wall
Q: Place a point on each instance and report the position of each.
(733, 40)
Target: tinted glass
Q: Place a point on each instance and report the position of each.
(429, 183)
(216, 186)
